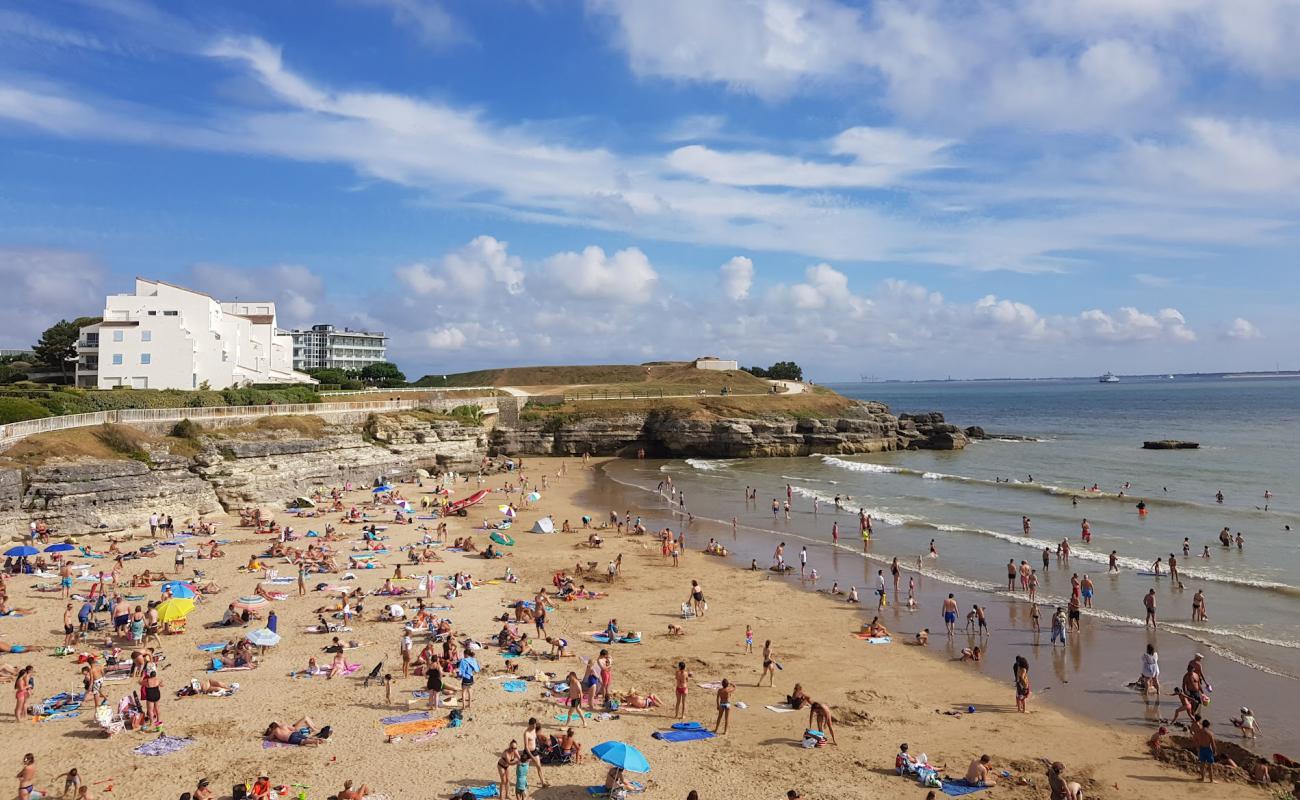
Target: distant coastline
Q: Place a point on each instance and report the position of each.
(1056, 379)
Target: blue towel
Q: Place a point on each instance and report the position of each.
(953, 789)
(480, 791)
(601, 791)
(215, 647)
(515, 686)
(687, 726)
(682, 736)
(563, 717)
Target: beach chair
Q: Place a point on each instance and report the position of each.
(687, 611)
(109, 720)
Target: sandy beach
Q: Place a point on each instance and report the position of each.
(880, 694)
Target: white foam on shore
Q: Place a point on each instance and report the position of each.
(711, 464)
(877, 514)
(859, 466)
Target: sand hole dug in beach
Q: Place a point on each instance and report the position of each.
(1179, 753)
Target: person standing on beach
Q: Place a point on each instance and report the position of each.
(1151, 672)
(1058, 626)
(724, 706)
(1025, 525)
(881, 598)
(1032, 585)
(1206, 746)
(1011, 574)
(1150, 602)
(1198, 606)
(769, 665)
(894, 570)
(573, 698)
(1114, 561)
(682, 679)
(950, 614)
(1020, 673)
(803, 560)
(835, 533)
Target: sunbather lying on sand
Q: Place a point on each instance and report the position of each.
(299, 733)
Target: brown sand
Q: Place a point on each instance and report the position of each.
(881, 694)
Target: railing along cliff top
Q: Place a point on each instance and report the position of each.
(17, 431)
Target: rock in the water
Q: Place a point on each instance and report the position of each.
(1170, 444)
(974, 432)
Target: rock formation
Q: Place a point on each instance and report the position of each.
(863, 428)
(1170, 444)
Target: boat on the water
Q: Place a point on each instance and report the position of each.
(1109, 377)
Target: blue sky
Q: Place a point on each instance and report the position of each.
(907, 189)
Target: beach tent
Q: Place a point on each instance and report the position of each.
(423, 473)
(544, 525)
(302, 502)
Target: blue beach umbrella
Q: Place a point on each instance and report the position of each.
(180, 589)
(381, 489)
(60, 547)
(622, 755)
(21, 550)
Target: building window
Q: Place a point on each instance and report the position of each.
(170, 313)
(146, 336)
(117, 359)
(153, 313)
(117, 336)
(145, 358)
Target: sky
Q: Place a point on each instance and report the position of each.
(914, 189)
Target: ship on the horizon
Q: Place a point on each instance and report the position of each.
(1109, 377)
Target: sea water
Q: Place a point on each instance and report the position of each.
(1051, 442)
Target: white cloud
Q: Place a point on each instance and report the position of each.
(1243, 330)
(428, 20)
(448, 338)
(824, 287)
(1131, 325)
(42, 286)
(627, 276)
(1011, 316)
(879, 157)
(297, 291)
(485, 263)
(737, 277)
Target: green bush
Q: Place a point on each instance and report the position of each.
(468, 414)
(187, 429)
(122, 440)
(17, 409)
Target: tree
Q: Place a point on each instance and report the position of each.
(383, 373)
(785, 371)
(57, 348)
(331, 375)
(757, 372)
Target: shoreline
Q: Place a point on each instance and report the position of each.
(880, 695)
(1097, 674)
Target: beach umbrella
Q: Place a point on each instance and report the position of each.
(180, 589)
(381, 489)
(21, 551)
(177, 608)
(264, 637)
(60, 547)
(423, 473)
(302, 502)
(533, 497)
(251, 600)
(507, 510)
(621, 755)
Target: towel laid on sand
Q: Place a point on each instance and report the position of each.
(781, 709)
(515, 686)
(954, 789)
(480, 791)
(601, 791)
(682, 736)
(162, 746)
(410, 717)
(416, 726)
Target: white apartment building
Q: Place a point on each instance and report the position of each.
(326, 347)
(167, 337)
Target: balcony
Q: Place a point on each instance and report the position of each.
(88, 343)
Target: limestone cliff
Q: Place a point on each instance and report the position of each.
(232, 469)
(862, 428)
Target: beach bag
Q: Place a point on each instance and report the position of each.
(454, 719)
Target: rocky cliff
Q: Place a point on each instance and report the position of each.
(862, 428)
(231, 470)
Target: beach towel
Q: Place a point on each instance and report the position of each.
(879, 640)
(214, 647)
(515, 686)
(411, 717)
(415, 726)
(268, 744)
(480, 791)
(601, 791)
(687, 726)
(953, 789)
(710, 685)
(781, 709)
(603, 639)
(682, 736)
(563, 717)
(162, 746)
